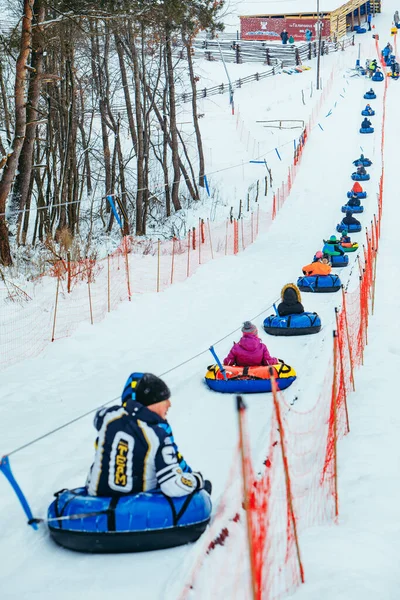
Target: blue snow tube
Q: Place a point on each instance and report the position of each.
(357, 177)
(360, 195)
(366, 162)
(300, 324)
(354, 209)
(352, 228)
(378, 76)
(360, 30)
(248, 380)
(339, 261)
(136, 523)
(366, 113)
(319, 283)
(368, 96)
(366, 130)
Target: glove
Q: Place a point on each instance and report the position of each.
(199, 480)
(208, 486)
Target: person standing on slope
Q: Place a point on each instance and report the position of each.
(284, 36)
(135, 448)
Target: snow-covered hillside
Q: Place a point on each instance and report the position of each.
(170, 333)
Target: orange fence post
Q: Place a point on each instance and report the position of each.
(235, 236)
(245, 460)
(55, 309)
(289, 495)
(69, 272)
(334, 406)
(342, 377)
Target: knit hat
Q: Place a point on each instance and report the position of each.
(319, 254)
(145, 388)
(248, 327)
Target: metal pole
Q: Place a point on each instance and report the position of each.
(229, 79)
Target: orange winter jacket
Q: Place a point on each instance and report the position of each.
(356, 188)
(317, 268)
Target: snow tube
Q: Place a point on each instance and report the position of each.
(366, 162)
(349, 246)
(136, 523)
(360, 30)
(248, 380)
(302, 324)
(353, 228)
(365, 113)
(369, 96)
(357, 177)
(319, 283)
(360, 195)
(339, 261)
(366, 130)
(379, 76)
(354, 209)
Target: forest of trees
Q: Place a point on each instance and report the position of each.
(88, 109)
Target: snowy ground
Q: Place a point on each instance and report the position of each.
(157, 332)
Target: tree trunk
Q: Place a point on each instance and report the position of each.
(172, 123)
(19, 132)
(140, 139)
(194, 112)
(128, 102)
(23, 179)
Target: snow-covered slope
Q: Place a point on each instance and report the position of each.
(158, 332)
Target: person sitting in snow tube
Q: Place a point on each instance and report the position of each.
(353, 205)
(332, 247)
(319, 267)
(378, 75)
(354, 201)
(368, 111)
(366, 126)
(370, 95)
(362, 160)
(346, 243)
(291, 319)
(249, 351)
(149, 495)
(349, 223)
(357, 190)
(361, 170)
(290, 301)
(356, 177)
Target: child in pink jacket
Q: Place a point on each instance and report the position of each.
(249, 351)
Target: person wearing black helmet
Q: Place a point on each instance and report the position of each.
(135, 448)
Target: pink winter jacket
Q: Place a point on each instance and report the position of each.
(250, 352)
